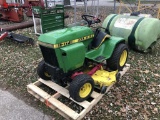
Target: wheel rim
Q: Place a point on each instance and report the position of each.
(85, 90)
(123, 58)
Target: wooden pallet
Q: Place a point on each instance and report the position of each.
(53, 102)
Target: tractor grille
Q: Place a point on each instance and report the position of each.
(49, 56)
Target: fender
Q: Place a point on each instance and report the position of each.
(110, 45)
(105, 50)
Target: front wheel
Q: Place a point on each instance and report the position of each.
(81, 87)
(118, 58)
(41, 71)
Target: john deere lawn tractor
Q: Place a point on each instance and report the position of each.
(82, 58)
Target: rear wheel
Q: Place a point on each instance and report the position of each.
(81, 87)
(118, 58)
(41, 71)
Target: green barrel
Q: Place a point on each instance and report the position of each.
(140, 33)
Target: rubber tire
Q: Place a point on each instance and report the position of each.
(103, 89)
(114, 60)
(118, 76)
(77, 83)
(41, 71)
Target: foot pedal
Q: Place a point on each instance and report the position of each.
(99, 58)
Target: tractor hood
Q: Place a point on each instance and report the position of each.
(66, 36)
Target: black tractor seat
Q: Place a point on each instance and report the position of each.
(96, 52)
(99, 38)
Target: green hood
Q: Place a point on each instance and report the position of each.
(66, 35)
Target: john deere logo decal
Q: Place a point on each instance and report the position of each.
(72, 41)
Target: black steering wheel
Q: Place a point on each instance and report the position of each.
(92, 19)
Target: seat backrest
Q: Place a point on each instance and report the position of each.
(99, 38)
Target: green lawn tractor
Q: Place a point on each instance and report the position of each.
(82, 57)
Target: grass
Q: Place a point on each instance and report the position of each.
(136, 96)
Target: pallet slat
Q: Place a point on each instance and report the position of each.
(125, 69)
(32, 88)
(71, 113)
(95, 94)
(56, 87)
